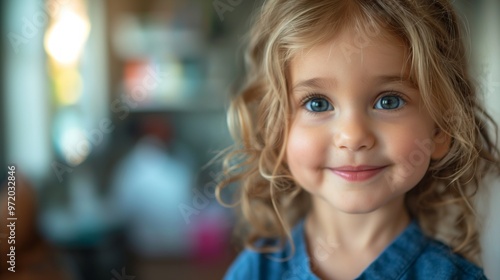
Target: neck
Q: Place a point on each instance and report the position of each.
(356, 232)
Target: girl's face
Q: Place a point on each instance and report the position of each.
(360, 135)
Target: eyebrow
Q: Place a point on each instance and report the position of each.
(314, 83)
(325, 82)
(405, 81)
(392, 78)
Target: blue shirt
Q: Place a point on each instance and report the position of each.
(412, 255)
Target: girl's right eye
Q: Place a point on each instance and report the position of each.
(317, 105)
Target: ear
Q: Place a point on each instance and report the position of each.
(442, 143)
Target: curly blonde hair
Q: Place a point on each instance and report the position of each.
(269, 200)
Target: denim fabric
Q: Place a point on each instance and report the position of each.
(411, 255)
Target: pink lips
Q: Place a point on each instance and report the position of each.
(357, 173)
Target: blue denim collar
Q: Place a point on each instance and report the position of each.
(398, 256)
(300, 263)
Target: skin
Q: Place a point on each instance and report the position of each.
(357, 219)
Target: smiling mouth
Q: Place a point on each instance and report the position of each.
(357, 173)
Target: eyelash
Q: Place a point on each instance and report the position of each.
(311, 96)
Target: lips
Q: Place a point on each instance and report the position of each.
(357, 173)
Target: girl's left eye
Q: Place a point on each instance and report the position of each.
(389, 102)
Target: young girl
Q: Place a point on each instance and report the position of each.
(361, 142)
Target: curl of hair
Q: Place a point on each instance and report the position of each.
(269, 200)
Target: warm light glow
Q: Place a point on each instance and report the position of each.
(67, 85)
(66, 37)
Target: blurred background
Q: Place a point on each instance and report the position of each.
(111, 111)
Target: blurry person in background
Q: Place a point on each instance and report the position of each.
(35, 258)
(147, 186)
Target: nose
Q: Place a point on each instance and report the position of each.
(354, 132)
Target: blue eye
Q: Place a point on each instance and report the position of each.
(389, 102)
(318, 104)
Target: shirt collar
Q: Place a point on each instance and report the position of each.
(398, 256)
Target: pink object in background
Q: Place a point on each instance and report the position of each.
(210, 235)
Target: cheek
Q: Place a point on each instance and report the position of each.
(305, 153)
(412, 155)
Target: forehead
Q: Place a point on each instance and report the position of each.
(367, 55)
